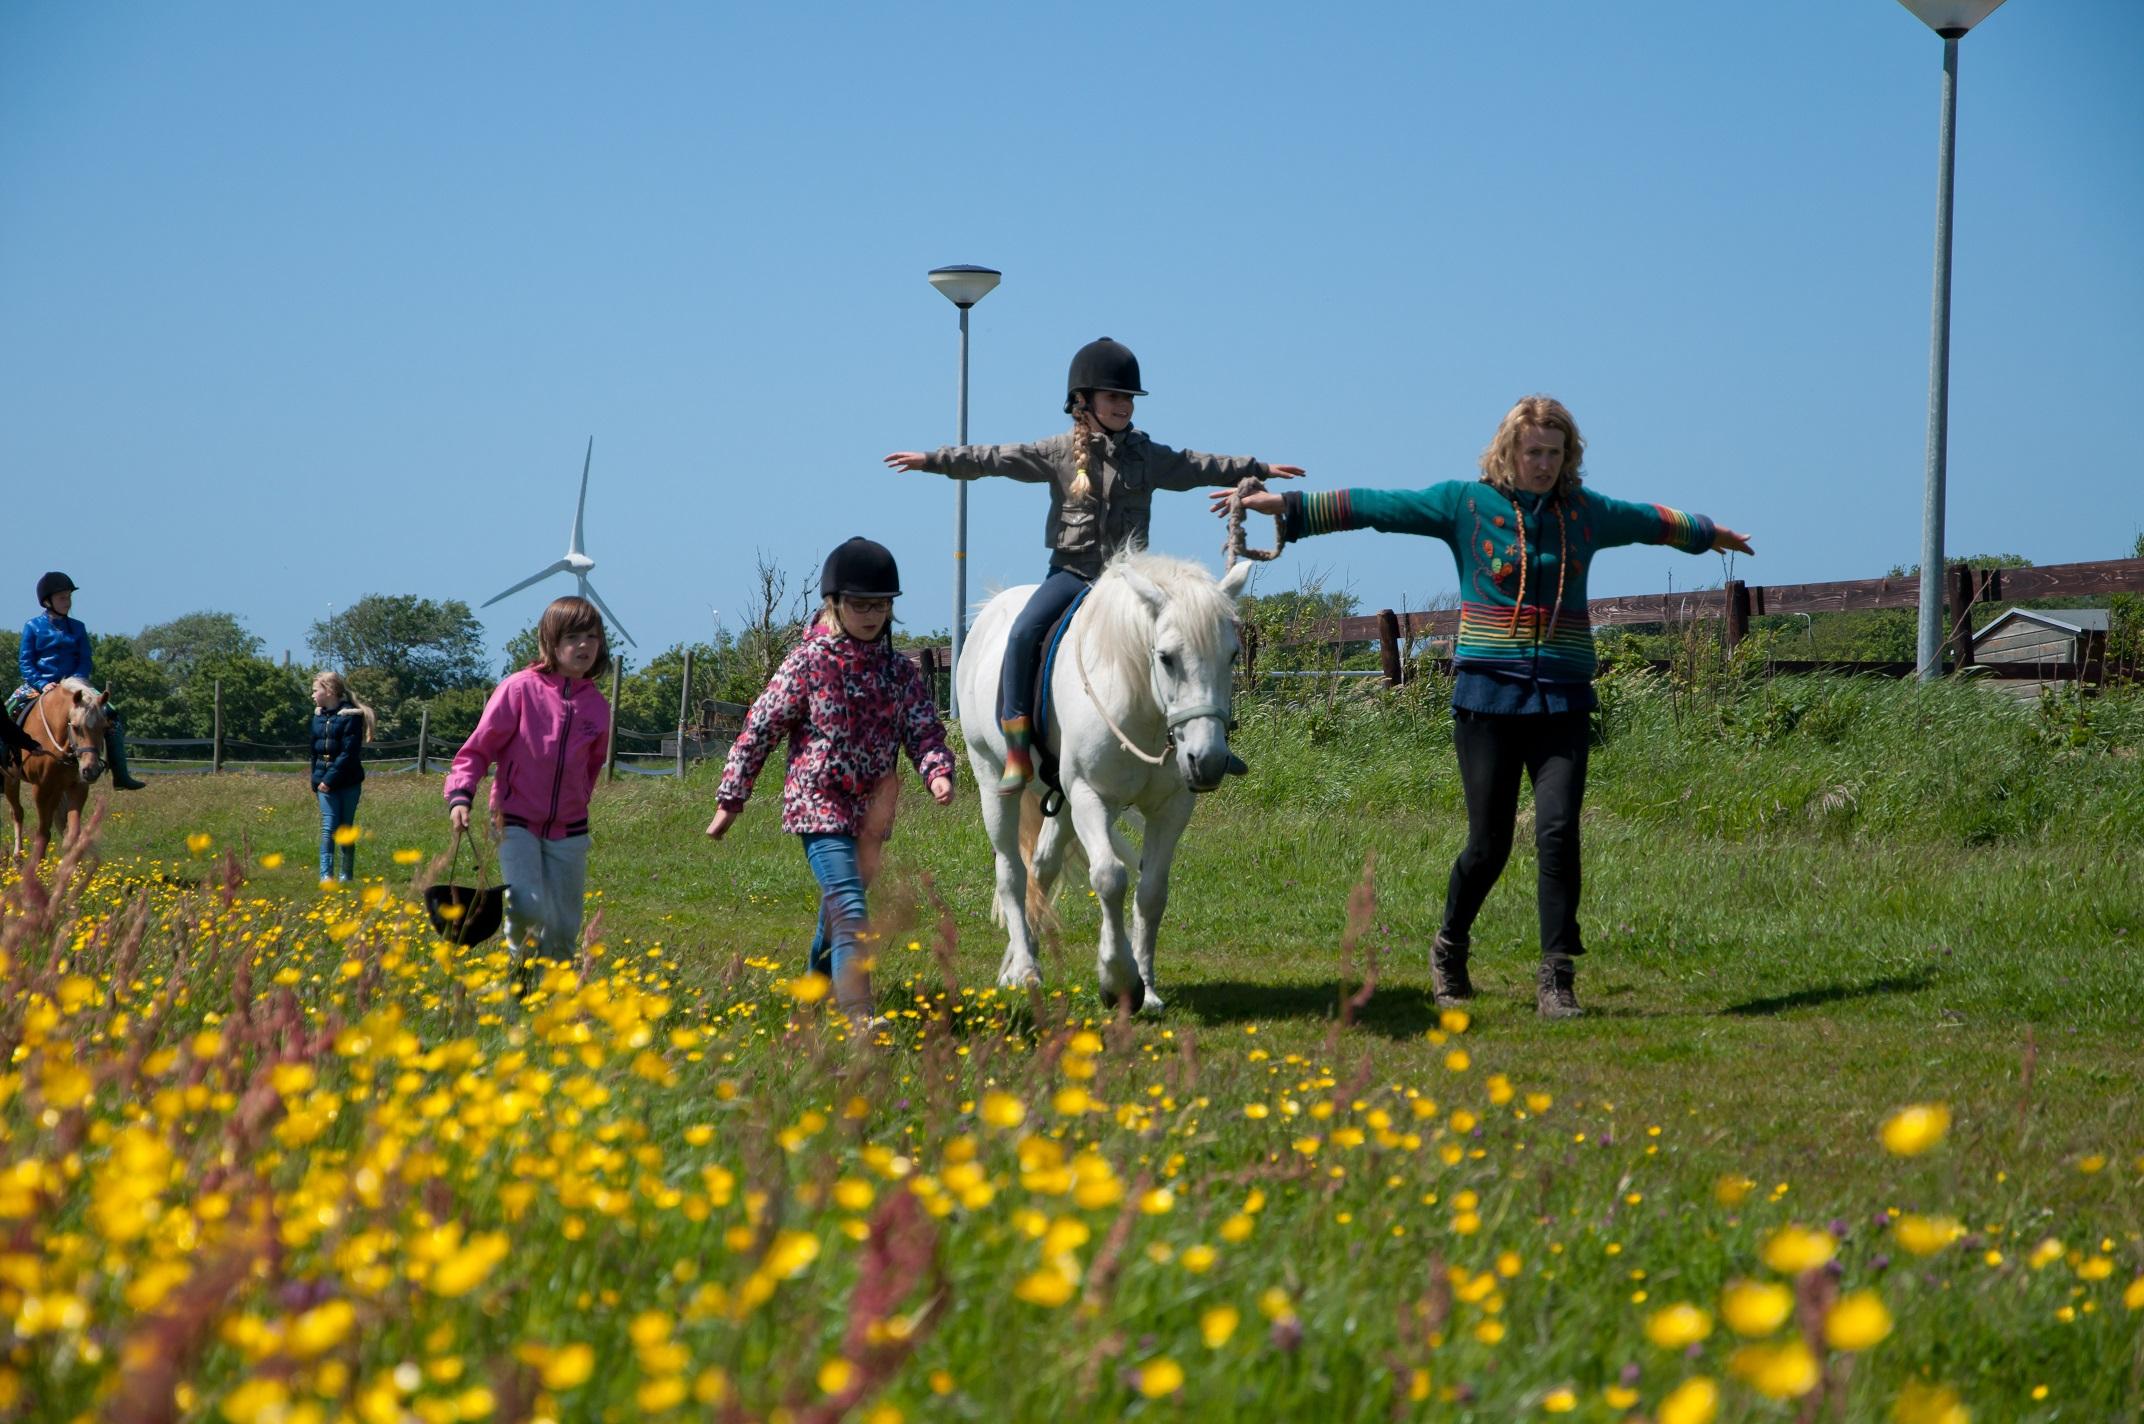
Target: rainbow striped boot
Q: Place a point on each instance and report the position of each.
(1019, 758)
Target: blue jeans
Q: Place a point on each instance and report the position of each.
(338, 808)
(843, 918)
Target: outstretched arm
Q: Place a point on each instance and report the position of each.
(1622, 521)
(1172, 469)
(1429, 511)
(1030, 464)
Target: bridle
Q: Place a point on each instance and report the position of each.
(1172, 718)
(62, 748)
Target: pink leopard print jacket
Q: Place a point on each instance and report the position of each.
(848, 708)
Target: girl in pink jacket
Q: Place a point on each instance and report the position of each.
(545, 731)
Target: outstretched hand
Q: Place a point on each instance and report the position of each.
(1263, 502)
(1727, 541)
(942, 790)
(1285, 472)
(906, 460)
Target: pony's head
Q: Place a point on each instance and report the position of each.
(87, 722)
(1170, 629)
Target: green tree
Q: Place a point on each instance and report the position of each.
(140, 689)
(178, 646)
(522, 649)
(397, 650)
(263, 702)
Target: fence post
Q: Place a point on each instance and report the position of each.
(927, 664)
(610, 749)
(215, 746)
(684, 701)
(424, 739)
(1737, 613)
(1388, 644)
(1961, 612)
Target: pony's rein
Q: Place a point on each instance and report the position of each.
(1237, 544)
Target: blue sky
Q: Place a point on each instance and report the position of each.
(299, 303)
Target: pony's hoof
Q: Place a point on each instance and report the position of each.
(1022, 979)
(1134, 998)
(1150, 1004)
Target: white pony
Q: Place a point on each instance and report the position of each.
(1139, 702)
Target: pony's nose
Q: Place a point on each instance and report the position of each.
(1204, 771)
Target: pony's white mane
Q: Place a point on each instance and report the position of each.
(76, 684)
(85, 716)
(1119, 626)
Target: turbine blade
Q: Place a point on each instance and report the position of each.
(580, 512)
(539, 576)
(588, 591)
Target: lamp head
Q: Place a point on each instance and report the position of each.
(965, 286)
(1951, 18)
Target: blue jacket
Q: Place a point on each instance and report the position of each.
(53, 647)
(337, 737)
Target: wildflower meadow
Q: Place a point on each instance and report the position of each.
(1852, 1129)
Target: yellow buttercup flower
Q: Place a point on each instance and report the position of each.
(1694, 1401)
(1920, 1403)
(1732, 1189)
(1160, 1377)
(810, 988)
(1756, 1308)
(1559, 1401)
(1003, 1110)
(198, 842)
(347, 835)
(1048, 1288)
(1218, 1324)
(1678, 1326)
(1913, 1130)
(408, 856)
(1926, 1235)
(1787, 1370)
(568, 1366)
(1857, 1321)
(1794, 1249)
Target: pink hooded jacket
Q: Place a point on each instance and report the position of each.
(548, 741)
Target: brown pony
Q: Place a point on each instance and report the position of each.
(68, 721)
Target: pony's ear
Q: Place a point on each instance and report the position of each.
(1149, 591)
(1239, 574)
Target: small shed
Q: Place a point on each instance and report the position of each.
(2047, 636)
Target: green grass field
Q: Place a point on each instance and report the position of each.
(1806, 908)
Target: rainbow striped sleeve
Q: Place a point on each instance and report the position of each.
(1319, 512)
(1617, 521)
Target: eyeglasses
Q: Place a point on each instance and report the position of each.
(867, 605)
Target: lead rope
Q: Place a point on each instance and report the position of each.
(1237, 544)
(1079, 656)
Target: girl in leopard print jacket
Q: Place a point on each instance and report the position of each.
(848, 702)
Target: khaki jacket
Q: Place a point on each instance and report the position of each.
(1082, 534)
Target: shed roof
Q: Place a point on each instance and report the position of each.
(2066, 620)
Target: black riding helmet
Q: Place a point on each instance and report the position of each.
(50, 584)
(860, 568)
(1102, 365)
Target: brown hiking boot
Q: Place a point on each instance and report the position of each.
(1448, 981)
(1555, 988)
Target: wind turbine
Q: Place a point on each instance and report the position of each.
(576, 561)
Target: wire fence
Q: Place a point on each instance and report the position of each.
(630, 750)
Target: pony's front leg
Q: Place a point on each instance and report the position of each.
(1164, 827)
(1001, 818)
(1117, 973)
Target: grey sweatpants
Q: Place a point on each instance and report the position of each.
(544, 884)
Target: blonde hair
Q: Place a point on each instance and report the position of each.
(333, 684)
(1086, 447)
(1500, 462)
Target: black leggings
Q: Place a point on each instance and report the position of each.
(1016, 679)
(1492, 752)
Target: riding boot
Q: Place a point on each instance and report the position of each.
(1019, 756)
(1555, 988)
(1449, 984)
(115, 753)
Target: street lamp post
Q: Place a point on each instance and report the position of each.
(963, 286)
(1950, 19)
